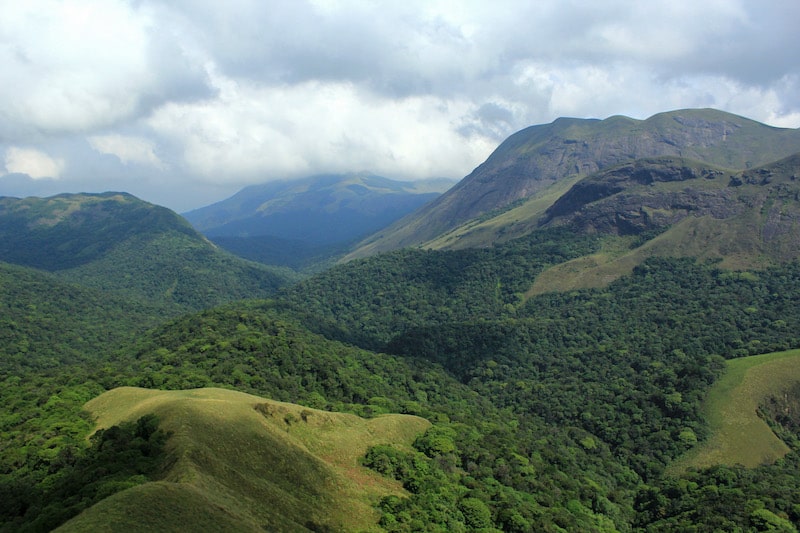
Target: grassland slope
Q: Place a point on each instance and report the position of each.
(242, 463)
(739, 435)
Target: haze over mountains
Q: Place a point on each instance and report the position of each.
(558, 318)
(311, 216)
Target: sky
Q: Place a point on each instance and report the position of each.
(184, 102)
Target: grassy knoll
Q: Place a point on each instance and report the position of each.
(739, 436)
(242, 463)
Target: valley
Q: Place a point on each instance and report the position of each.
(559, 342)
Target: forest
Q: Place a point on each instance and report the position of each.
(559, 412)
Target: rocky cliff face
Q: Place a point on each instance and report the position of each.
(658, 193)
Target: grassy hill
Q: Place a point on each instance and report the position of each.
(738, 434)
(679, 208)
(120, 244)
(526, 168)
(231, 452)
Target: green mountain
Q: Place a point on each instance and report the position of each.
(238, 462)
(311, 217)
(570, 352)
(505, 196)
(118, 243)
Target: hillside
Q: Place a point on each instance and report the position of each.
(314, 216)
(562, 410)
(677, 208)
(529, 166)
(118, 243)
(740, 435)
(46, 323)
(230, 452)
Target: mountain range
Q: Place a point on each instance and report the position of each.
(533, 349)
(309, 217)
(506, 196)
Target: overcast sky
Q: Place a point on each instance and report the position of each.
(183, 102)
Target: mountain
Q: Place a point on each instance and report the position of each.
(504, 197)
(118, 243)
(312, 216)
(323, 209)
(229, 453)
(563, 350)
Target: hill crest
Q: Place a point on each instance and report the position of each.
(121, 244)
(233, 451)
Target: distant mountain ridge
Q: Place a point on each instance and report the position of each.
(323, 209)
(539, 160)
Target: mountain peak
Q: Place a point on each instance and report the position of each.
(535, 158)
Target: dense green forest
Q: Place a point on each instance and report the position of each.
(555, 413)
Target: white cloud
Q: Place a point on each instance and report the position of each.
(249, 90)
(257, 133)
(127, 149)
(34, 163)
(75, 65)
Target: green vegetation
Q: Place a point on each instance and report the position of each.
(122, 245)
(532, 409)
(371, 301)
(644, 350)
(178, 272)
(562, 410)
(120, 457)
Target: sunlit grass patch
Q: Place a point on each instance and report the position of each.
(247, 463)
(738, 435)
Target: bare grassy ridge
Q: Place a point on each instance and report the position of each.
(242, 463)
(739, 436)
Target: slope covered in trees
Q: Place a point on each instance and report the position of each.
(564, 411)
(120, 244)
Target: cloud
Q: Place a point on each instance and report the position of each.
(257, 133)
(200, 94)
(77, 65)
(32, 162)
(127, 149)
